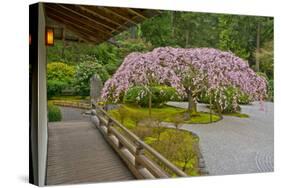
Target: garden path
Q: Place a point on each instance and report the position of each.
(237, 145)
(78, 153)
(72, 114)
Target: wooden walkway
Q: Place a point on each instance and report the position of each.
(78, 153)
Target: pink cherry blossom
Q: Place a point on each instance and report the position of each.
(209, 69)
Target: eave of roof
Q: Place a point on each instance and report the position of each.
(90, 23)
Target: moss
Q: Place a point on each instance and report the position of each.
(176, 145)
(203, 118)
(165, 114)
(237, 114)
(171, 143)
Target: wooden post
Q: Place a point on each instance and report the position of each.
(120, 145)
(109, 124)
(139, 152)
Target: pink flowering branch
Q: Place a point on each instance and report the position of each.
(206, 69)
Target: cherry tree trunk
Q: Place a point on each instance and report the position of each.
(192, 105)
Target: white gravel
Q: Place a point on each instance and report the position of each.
(237, 145)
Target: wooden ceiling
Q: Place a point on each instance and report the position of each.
(91, 23)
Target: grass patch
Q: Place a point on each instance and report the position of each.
(133, 114)
(237, 114)
(203, 118)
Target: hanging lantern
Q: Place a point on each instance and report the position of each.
(49, 36)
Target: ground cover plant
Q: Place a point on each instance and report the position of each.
(54, 113)
(180, 147)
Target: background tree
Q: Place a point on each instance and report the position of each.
(59, 77)
(84, 71)
(265, 55)
(245, 36)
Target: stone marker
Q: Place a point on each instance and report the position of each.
(96, 87)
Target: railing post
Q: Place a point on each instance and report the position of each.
(109, 124)
(139, 152)
(120, 145)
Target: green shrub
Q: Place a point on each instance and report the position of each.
(270, 90)
(59, 77)
(142, 132)
(160, 94)
(204, 98)
(244, 99)
(88, 67)
(54, 88)
(263, 75)
(54, 113)
(229, 93)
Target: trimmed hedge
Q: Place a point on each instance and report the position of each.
(54, 113)
(138, 95)
(55, 87)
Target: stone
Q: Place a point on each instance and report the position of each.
(93, 112)
(95, 120)
(96, 86)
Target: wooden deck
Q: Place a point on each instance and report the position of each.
(77, 153)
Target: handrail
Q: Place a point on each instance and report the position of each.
(137, 141)
(75, 104)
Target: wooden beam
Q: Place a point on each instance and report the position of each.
(72, 26)
(76, 18)
(77, 32)
(136, 13)
(58, 25)
(81, 32)
(87, 17)
(78, 22)
(99, 10)
(84, 8)
(119, 15)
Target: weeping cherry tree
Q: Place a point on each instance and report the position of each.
(190, 72)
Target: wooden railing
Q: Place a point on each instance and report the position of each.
(75, 104)
(134, 151)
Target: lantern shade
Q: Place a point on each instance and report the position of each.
(49, 35)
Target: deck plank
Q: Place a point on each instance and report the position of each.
(77, 153)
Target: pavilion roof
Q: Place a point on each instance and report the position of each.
(91, 23)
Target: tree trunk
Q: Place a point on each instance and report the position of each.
(211, 116)
(149, 96)
(192, 106)
(133, 32)
(258, 47)
(186, 38)
(172, 24)
(139, 33)
(218, 107)
(63, 42)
